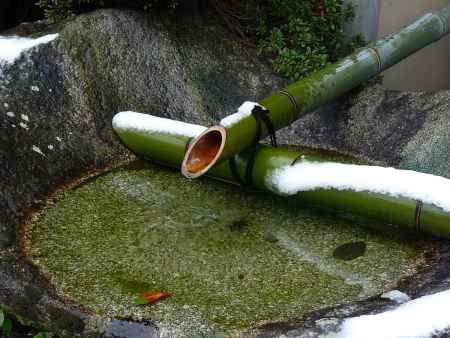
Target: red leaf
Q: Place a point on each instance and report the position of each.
(153, 297)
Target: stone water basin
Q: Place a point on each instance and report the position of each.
(232, 258)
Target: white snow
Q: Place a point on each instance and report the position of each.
(12, 47)
(307, 176)
(396, 296)
(243, 111)
(10, 114)
(419, 318)
(50, 147)
(147, 123)
(38, 150)
(35, 88)
(23, 125)
(24, 117)
(59, 139)
(5, 105)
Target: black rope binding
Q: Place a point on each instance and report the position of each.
(260, 115)
(297, 159)
(188, 143)
(417, 216)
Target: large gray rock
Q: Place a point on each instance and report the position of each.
(63, 96)
(56, 106)
(400, 129)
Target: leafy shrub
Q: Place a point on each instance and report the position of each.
(299, 36)
(303, 36)
(58, 10)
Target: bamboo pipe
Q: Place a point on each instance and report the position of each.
(164, 141)
(225, 140)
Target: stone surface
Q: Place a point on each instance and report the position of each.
(405, 130)
(57, 101)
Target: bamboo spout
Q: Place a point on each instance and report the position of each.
(311, 179)
(204, 152)
(320, 88)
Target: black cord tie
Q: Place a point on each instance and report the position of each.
(417, 216)
(297, 159)
(260, 115)
(188, 143)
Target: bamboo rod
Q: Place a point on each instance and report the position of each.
(306, 95)
(168, 147)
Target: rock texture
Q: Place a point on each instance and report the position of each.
(56, 106)
(400, 129)
(57, 101)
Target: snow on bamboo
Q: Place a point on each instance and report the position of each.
(133, 121)
(243, 111)
(12, 46)
(307, 176)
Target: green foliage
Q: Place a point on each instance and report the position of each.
(299, 37)
(7, 327)
(5, 323)
(58, 10)
(303, 36)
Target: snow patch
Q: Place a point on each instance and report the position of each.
(24, 117)
(23, 125)
(307, 176)
(12, 47)
(243, 111)
(419, 318)
(38, 150)
(10, 114)
(59, 139)
(50, 147)
(129, 120)
(35, 88)
(5, 105)
(396, 296)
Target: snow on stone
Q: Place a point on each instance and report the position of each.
(24, 117)
(38, 150)
(307, 176)
(147, 123)
(12, 47)
(396, 296)
(243, 111)
(10, 114)
(420, 318)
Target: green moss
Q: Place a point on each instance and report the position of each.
(230, 258)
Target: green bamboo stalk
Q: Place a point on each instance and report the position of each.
(168, 147)
(306, 95)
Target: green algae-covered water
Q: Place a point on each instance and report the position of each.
(231, 258)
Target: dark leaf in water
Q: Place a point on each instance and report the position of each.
(350, 251)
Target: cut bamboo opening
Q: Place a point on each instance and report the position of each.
(204, 152)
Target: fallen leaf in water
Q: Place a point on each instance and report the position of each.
(151, 297)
